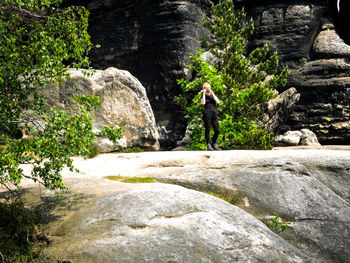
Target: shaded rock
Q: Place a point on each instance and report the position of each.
(278, 110)
(104, 145)
(308, 138)
(328, 43)
(308, 188)
(157, 223)
(312, 38)
(182, 145)
(324, 103)
(286, 27)
(125, 104)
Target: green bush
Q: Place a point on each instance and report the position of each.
(19, 239)
(243, 82)
(39, 42)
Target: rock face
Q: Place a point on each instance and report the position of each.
(157, 223)
(152, 40)
(312, 38)
(125, 104)
(308, 188)
(279, 109)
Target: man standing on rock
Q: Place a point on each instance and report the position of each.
(209, 100)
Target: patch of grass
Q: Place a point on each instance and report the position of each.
(134, 180)
(130, 150)
(20, 240)
(228, 196)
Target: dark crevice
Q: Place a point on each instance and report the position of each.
(341, 18)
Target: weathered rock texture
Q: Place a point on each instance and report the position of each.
(124, 104)
(152, 40)
(155, 223)
(279, 109)
(308, 188)
(312, 38)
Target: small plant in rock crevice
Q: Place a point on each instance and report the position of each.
(277, 224)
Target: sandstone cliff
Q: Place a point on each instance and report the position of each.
(153, 39)
(311, 37)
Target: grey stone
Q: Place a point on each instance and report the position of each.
(308, 188)
(278, 110)
(124, 104)
(329, 44)
(158, 223)
(308, 138)
(286, 27)
(294, 138)
(290, 138)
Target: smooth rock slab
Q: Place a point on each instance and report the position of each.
(158, 223)
(308, 188)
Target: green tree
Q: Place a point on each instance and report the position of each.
(38, 43)
(243, 82)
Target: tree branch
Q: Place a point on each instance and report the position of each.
(26, 15)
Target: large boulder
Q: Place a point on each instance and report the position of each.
(152, 40)
(124, 104)
(308, 188)
(304, 137)
(99, 221)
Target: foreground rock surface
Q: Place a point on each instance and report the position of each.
(156, 223)
(308, 188)
(124, 104)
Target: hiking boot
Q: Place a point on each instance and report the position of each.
(209, 148)
(215, 148)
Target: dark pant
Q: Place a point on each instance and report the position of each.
(211, 118)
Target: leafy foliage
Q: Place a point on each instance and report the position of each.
(38, 43)
(243, 82)
(277, 223)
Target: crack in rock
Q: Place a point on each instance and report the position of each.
(176, 215)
